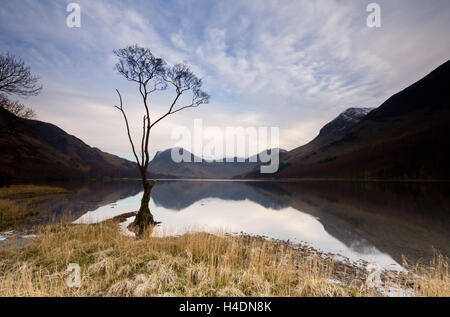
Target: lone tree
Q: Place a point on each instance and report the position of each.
(152, 74)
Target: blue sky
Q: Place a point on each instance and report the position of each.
(291, 64)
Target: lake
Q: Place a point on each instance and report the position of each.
(369, 221)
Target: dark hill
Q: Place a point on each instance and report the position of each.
(31, 149)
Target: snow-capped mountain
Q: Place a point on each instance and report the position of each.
(344, 121)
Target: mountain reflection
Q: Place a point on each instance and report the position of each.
(178, 195)
(83, 197)
(396, 218)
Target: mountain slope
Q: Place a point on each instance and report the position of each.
(330, 132)
(345, 121)
(35, 149)
(405, 138)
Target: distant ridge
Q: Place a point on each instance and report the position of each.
(162, 165)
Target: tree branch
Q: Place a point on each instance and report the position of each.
(128, 128)
(168, 112)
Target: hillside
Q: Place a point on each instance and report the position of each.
(345, 121)
(404, 138)
(31, 149)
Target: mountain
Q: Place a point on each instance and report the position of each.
(337, 127)
(405, 138)
(162, 165)
(343, 122)
(31, 149)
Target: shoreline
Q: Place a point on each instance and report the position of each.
(281, 180)
(223, 259)
(102, 246)
(347, 273)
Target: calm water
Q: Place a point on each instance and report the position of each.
(360, 220)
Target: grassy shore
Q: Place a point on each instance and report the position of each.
(15, 202)
(196, 264)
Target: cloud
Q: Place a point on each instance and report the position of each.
(292, 64)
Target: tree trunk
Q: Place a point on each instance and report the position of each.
(144, 218)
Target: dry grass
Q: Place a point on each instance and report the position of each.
(430, 280)
(191, 265)
(26, 191)
(196, 264)
(15, 201)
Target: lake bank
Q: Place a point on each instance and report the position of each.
(195, 264)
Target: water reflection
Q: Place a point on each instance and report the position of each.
(396, 218)
(371, 221)
(83, 197)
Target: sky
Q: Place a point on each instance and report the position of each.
(290, 64)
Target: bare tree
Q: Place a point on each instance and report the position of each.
(16, 108)
(16, 78)
(152, 74)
